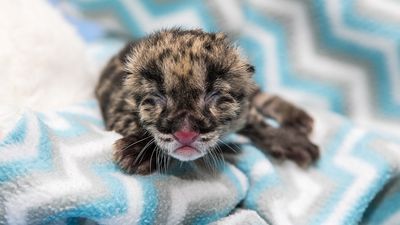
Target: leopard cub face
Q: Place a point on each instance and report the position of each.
(188, 88)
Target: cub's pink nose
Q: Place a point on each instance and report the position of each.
(186, 137)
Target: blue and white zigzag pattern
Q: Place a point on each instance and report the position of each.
(342, 55)
(57, 167)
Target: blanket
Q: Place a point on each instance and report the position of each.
(56, 168)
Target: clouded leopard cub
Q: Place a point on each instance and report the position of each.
(177, 92)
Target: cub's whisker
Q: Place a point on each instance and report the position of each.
(140, 155)
(130, 145)
(227, 145)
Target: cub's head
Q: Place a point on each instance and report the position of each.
(189, 88)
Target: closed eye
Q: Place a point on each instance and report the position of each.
(153, 100)
(225, 99)
(149, 101)
(219, 99)
(212, 96)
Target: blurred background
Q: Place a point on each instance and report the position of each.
(336, 55)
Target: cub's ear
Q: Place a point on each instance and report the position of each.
(250, 68)
(127, 50)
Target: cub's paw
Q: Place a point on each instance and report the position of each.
(288, 144)
(135, 156)
(300, 121)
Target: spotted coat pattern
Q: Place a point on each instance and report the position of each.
(174, 78)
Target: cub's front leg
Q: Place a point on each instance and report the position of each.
(283, 142)
(136, 153)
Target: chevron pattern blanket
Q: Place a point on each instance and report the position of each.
(56, 168)
(340, 58)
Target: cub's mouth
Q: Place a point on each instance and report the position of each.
(186, 144)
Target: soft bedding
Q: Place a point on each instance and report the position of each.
(57, 167)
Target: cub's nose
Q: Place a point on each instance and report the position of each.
(186, 137)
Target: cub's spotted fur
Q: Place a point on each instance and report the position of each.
(177, 92)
